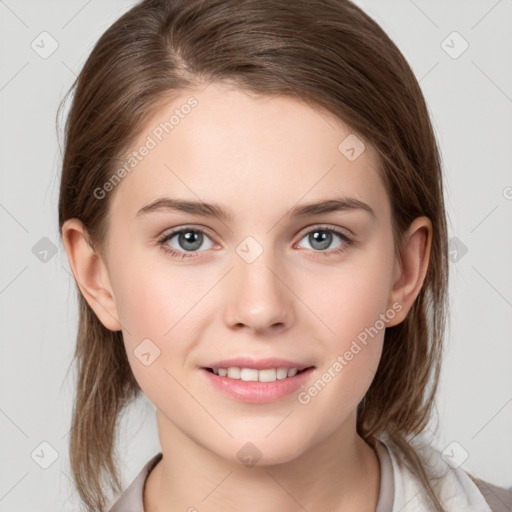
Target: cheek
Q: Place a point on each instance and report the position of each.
(154, 309)
(349, 299)
(153, 299)
(352, 304)
(353, 347)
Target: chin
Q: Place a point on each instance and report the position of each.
(263, 452)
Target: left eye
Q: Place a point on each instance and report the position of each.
(323, 237)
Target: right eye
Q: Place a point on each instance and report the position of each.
(190, 239)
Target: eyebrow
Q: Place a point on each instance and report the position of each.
(217, 211)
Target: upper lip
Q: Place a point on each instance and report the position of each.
(258, 364)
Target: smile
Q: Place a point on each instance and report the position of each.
(257, 386)
(255, 375)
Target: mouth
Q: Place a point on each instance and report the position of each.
(255, 386)
(255, 375)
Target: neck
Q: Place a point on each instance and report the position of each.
(339, 473)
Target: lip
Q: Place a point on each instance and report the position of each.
(258, 392)
(257, 364)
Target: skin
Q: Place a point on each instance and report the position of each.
(259, 157)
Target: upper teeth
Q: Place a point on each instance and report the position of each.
(247, 374)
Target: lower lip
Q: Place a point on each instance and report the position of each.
(256, 392)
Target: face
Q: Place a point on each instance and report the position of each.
(262, 282)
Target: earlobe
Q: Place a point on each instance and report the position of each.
(91, 273)
(411, 271)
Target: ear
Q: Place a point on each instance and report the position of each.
(410, 273)
(91, 273)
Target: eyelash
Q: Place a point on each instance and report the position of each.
(182, 255)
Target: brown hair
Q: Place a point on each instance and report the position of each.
(328, 53)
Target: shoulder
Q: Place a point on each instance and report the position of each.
(456, 489)
(498, 498)
(131, 500)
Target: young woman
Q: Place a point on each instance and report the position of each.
(252, 207)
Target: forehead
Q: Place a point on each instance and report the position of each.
(228, 146)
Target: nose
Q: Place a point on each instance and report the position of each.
(258, 297)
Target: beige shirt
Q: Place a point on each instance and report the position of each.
(399, 491)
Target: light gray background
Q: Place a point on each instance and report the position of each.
(470, 99)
